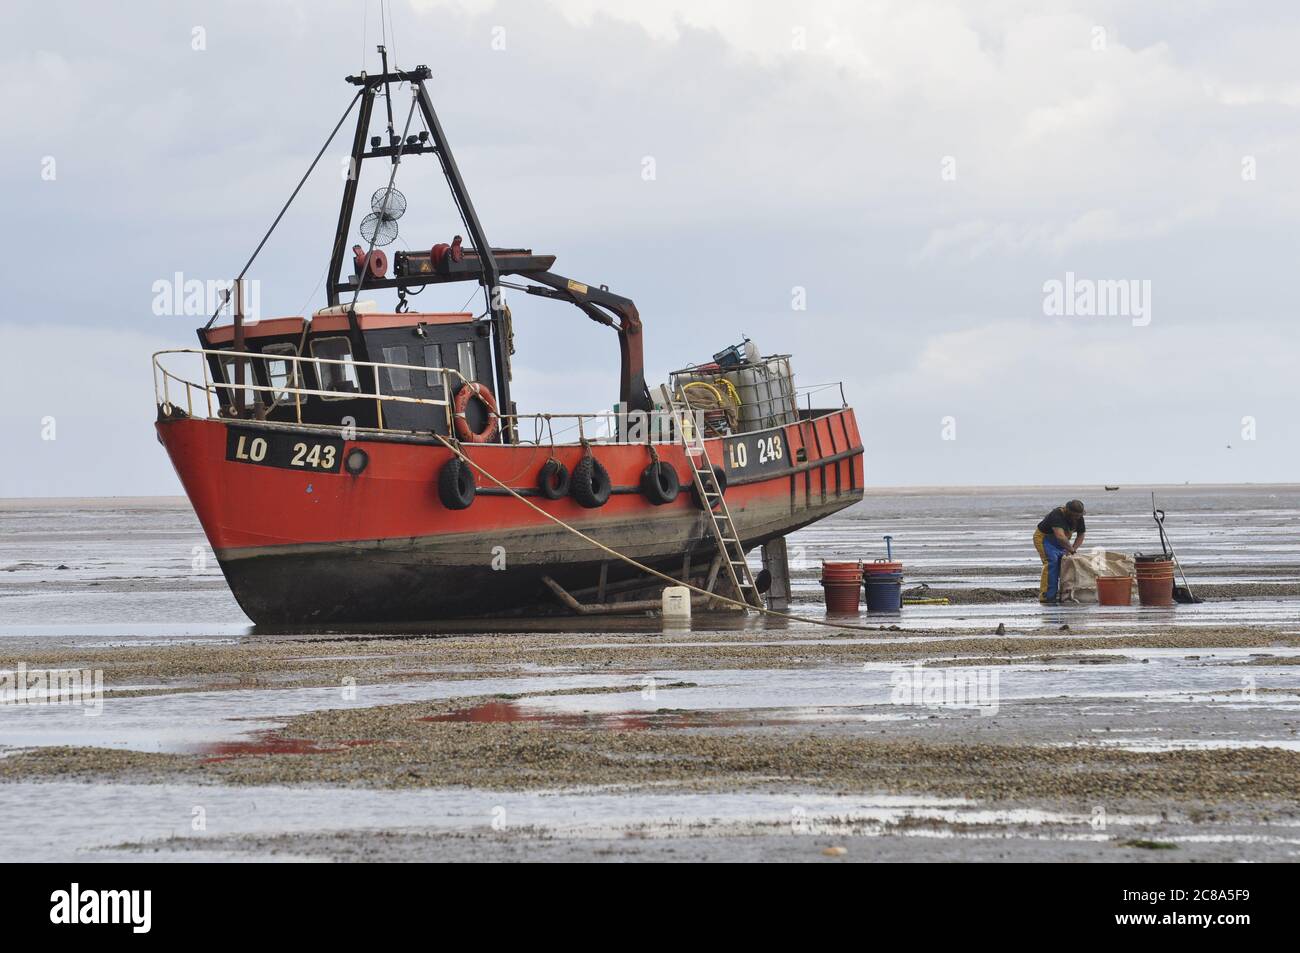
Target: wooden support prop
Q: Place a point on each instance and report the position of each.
(714, 568)
(777, 562)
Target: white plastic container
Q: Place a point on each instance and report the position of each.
(677, 602)
(766, 392)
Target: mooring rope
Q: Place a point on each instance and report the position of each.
(642, 566)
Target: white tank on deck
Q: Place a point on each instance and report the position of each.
(766, 389)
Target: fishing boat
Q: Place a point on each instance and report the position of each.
(370, 465)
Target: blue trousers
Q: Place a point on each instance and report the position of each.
(1051, 550)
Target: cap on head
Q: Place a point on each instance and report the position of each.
(1075, 507)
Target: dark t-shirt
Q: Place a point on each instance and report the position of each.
(1060, 517)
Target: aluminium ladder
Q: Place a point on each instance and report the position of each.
(713, 503)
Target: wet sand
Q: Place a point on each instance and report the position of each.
(1110, 734)
(1157, 725)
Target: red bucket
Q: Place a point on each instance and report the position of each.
(1115, 590)
(881, 565)
(842, 597)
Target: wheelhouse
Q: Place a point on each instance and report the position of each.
(330, 353)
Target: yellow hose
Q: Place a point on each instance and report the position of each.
(717, 394)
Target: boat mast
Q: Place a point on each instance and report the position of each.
(490, 275)
(334, 285)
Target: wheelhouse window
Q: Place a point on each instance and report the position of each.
(399, 378)
(282, 373)
(433, 359)
(228, 372)
(465, 361)
(337, 377)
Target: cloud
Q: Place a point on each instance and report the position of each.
(1099, 226)
(794, 146)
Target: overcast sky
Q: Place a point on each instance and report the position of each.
(921, 172)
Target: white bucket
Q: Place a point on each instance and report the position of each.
(677, 602)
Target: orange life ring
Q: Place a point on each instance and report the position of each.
(471, 390)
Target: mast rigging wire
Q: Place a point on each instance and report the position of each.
(301, 182)
(391, 29)
(464, 219)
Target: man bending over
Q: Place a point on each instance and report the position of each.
(1052, 540)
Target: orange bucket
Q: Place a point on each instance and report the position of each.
(841, 572)
(1115, 590)
(882, 566)
(1155, 579)
(843, 585)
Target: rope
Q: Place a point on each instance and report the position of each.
(301, 182)
(641, 566)
(311, 297)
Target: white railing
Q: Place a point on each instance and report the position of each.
(214, 399)
(807, 390)
(280, 394)
(217, 398)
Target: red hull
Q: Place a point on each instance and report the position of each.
(302, 546)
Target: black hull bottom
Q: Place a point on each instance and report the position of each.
(484, 575)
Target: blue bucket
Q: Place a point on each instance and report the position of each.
(884, 591)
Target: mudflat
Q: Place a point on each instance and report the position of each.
(989, 728)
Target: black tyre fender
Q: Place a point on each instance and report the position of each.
(553, 480)
(660, 483)
(590, 485)
(456, 487)
(720, 475)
